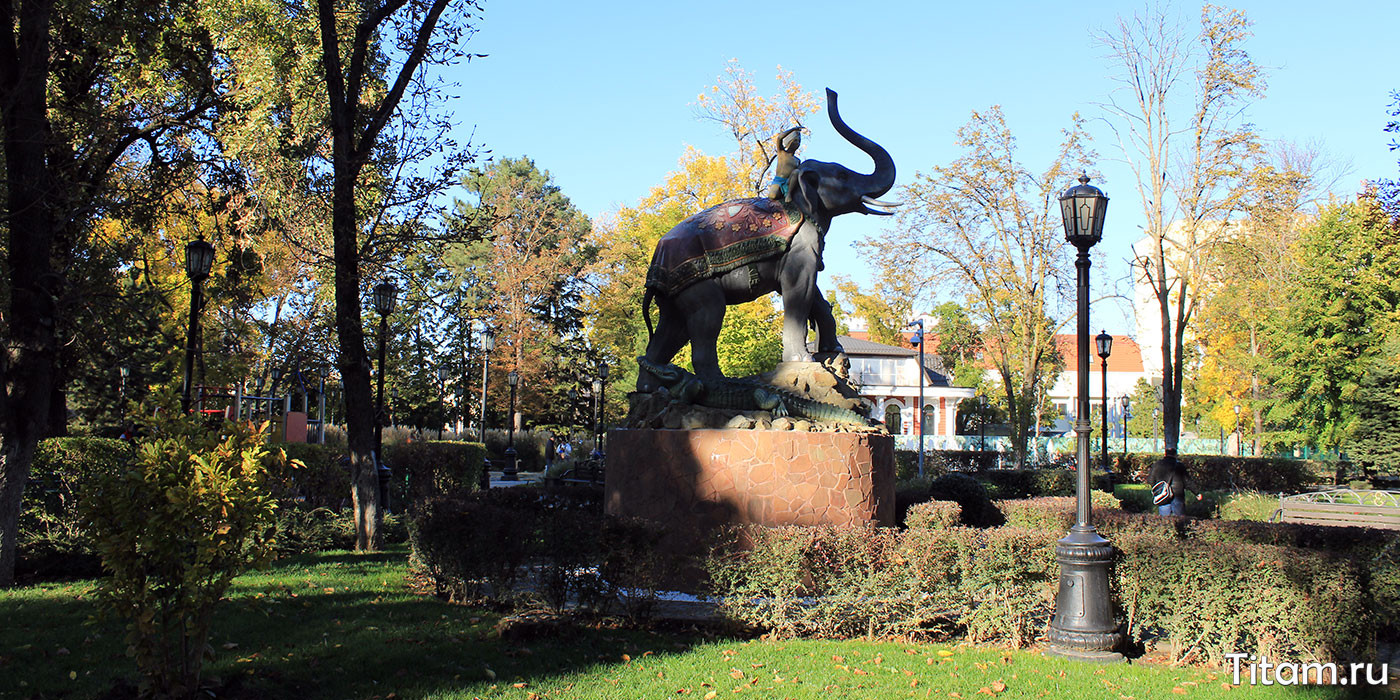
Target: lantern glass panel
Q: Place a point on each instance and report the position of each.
(385, 295)
(1105, 342)
(199, 259)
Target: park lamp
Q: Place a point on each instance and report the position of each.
(1083, 207)
(488, 341)
(199, 259)
(1105, 343)
(513, 379)
(384, 296)
(1124, 401)
(1084, 625)
(443, 372)
(603, 372)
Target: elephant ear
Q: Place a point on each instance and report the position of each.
(806, 196)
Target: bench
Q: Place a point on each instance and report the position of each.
(1342, 507)
(588, 471)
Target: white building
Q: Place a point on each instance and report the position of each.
(1147, 311)
(1126, 365)
(888, 379)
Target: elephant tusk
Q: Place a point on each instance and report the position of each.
(875, 202)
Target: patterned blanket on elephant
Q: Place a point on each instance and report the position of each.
(720, 239)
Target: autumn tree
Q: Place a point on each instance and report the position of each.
(1189, 167)
(1240, 287)
(886, 312)
(359, 43)
(987, 228)
(87, 90)
(532, 261)
(959, 343)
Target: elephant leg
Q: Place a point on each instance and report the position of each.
(799, 287)
(704, 306)
(826, 325)
(669, 338)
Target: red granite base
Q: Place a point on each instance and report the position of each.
(702, 479)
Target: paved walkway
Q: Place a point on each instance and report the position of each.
(498, 480)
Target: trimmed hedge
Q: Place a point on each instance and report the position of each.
(1202, 588)
(1212, 472)
(547, 544)
(430, 469)
(422, 470)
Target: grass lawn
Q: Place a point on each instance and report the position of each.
(340, 625)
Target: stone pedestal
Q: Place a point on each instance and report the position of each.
(702, 479)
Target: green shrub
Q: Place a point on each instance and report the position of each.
(1209, 599)
(475, 547)
(908, 493)
(636, 562)
(429, 469)
(906, 465)
(318, 479)
(1221, 472)
(934, 515)
(977, 508)
(51, 541)
(1008, 576)
(1053, 514)
(1029, 483)
(945, 461)
(173, 529)
(820, 581)
(1385, 584)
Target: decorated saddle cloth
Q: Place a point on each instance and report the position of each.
(720, 239)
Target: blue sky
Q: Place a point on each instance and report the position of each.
(601, 95)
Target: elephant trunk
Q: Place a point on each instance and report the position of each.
(882, 179)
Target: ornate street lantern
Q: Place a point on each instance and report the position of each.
(1083, 207)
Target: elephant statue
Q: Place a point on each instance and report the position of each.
(741, 250)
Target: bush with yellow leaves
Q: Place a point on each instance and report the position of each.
(191, 513)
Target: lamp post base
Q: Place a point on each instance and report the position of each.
(511, 473)
(1084, 627)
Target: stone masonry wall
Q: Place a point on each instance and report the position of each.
(707, 478)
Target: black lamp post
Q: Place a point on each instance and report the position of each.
(1105, 343)
(1124, 402)
(384, 296)
(488, 343)
(918, 340)
(199, 259)
(981, 426)
(1239, 434)
(1084, 626)
(599, 416)
(442, 373)
(513, 379)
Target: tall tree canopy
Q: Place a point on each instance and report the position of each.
(1188, 158)
(100, 108)
(988, 228)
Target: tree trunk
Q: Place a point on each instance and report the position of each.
(31, 352)
(354, 364)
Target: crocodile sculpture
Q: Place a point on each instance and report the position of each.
(747, 395)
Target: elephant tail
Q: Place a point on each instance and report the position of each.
(647, 296)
